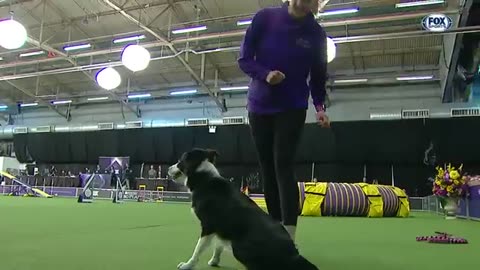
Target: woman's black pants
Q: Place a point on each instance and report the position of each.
(276, 138)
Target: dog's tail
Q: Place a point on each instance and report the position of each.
(300, 263)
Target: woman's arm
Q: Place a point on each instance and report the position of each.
(318, 73)
(247, 61)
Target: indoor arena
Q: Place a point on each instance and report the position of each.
(343, 130)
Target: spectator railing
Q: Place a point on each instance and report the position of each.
(468, 208)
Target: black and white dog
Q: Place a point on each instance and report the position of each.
(256, 240)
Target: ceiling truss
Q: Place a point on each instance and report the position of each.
(386, 39)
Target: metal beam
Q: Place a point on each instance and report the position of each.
(158, 15)
(398, 35)
(375, 73)
(241, 33)
(448, 91)
(104, 13)
(28, 93)
(65, 56)
(13, 2)
(180, 14)
(170, 46)
(373, 37)
(3, 117)
(61, 14)
(77, 68)
(118, 63)
(7, 98)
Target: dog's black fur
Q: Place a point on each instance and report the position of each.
(258, 241)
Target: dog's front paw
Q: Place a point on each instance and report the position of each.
(185, 266)
(215, 262)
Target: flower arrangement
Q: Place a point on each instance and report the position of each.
(450, 182)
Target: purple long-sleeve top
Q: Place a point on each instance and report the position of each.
(277, 41)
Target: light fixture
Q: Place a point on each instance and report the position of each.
(139, 96)
(351, 81)
(419, 3)
(331, 50)
(90, 127)
(135, 58)
(334, 12)
(77, 47)
(385, 116)
(415, 78)
(1, 58)
(189, 30)
(34, 53)
(3, 107)
(13, 34)
(97, 98)
(212, 129)
(23, 105)
(59, 129)
(183, 92)
(232, 88)
(127, 39)
(341, 39)
(60, 102)
(244, 22)
(224, 49)
(108, 78)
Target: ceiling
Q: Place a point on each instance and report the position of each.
(190, 60)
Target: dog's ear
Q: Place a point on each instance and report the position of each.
(212, 155)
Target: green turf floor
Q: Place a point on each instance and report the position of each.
(61, 234)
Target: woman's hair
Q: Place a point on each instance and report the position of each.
(321, 4)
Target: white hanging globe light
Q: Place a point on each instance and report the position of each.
(135, 57)
(331, 50)
(108, 78)
(12, 34)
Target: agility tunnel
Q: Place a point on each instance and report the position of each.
(259, 199)
(349, 200)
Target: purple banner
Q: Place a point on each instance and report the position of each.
(60, 191)
(131, 195)
(475, 192)
(115, 163)
(474, 203)
(5, 189)
(99, 181)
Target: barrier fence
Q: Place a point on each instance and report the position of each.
(108, 194)
(76, 181)
(468, 208)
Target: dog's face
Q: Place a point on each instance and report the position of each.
(193, 161)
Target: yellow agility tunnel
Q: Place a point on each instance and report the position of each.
(343, 199)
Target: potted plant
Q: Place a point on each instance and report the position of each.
(450, 186)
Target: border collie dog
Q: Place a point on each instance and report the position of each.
(256, 240)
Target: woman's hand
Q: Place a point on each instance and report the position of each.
(275, 77)
(322, 119)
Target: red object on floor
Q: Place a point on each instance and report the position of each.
(442, 238)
